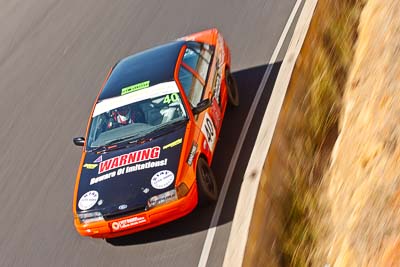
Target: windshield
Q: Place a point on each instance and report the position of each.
(135, 115)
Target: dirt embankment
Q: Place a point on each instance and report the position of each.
(362, 188)
(285, 223)
(321, 207)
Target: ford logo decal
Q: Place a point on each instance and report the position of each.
(122, 207)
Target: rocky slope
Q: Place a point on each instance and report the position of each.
(362, 186)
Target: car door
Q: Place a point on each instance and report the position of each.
(197, 75)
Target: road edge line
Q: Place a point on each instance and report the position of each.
(242, 219)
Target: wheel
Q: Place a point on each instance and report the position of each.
(206, 183)
(233, 92)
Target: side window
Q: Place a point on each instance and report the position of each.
(194, 70)
(192, 86)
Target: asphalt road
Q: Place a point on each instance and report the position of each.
(54, 56)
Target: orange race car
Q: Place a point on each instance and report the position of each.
(151, 137)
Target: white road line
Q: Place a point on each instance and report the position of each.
(228, 177)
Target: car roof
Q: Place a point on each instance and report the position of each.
(155, 65)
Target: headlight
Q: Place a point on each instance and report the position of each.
(90, 217)
(161, 199)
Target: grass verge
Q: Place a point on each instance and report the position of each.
(322, 66)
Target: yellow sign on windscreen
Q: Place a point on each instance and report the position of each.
(135, 87)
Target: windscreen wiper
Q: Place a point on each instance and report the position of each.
(99, 149)
(123, 139)
(112, 144)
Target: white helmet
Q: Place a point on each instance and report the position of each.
(123, 115)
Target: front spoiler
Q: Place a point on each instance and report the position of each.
(156, 216)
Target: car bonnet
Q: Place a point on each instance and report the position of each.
(124, 179)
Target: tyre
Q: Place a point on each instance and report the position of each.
(206, 184)
(233, 92)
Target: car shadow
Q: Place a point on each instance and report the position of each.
(248, 81)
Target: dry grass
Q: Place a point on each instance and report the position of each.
(324, 64)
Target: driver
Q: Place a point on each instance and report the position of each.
(119, 117)
(123, 116)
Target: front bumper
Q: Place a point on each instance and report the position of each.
(141, 221)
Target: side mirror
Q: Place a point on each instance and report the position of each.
(79, 141)
(201, 106)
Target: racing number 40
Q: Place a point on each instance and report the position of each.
(171, 98)
(209, 130)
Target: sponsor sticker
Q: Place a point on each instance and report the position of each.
(99, 159)
(90, 166)
(128, 169)
(163, 198)
(208, 129)
(174, 143)
(127, 159)
(219, 62)
(162, 179)
(135, 87)
(192, 153)
(216, 113)
(88, 200)
(134, 221)
(217, 83)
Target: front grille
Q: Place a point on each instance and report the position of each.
(123, 213)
